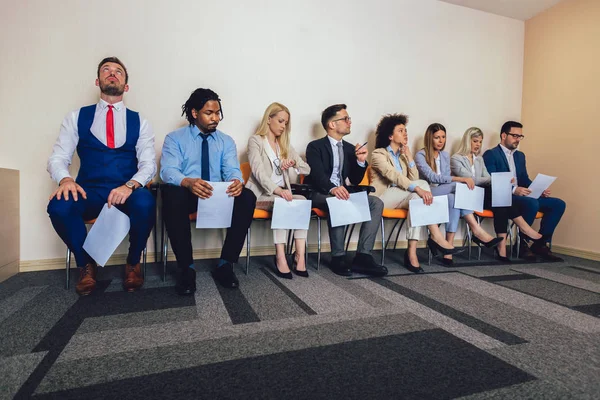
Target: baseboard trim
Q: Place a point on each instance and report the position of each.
(571, 251)
(198, 254)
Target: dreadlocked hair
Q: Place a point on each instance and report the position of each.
(197, 100)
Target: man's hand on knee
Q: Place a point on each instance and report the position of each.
(119, 195)
(66, 186)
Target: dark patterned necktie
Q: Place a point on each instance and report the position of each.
(205, 160)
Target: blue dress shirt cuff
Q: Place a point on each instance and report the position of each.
(411, 187)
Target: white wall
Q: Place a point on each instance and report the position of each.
(434, 61)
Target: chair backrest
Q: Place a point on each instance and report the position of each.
(366, 181)
(245, 168)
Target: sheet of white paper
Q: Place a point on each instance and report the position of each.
(216, 211)
(501, 189)
(467, 199)
(435, 213)
(293, 214)
(539, 184)
(351, 211)
(106, 234)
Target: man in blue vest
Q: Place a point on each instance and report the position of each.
(506, 158)
(116, 149)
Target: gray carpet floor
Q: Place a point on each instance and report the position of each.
(479, 330)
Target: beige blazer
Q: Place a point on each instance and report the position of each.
(260, 181)
(384, 172)
(461, 166)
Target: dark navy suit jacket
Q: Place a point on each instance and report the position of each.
(495, 161)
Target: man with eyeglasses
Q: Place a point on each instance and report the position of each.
(506, 158)
(333, 160)
(192, 157)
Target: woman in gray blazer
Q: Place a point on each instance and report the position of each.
(467, 163)
(433, 164)
(275, 165)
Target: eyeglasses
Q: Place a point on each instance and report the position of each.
(345, 119)
(516, 136)
(277, 165)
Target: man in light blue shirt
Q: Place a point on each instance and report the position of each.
(192, 157)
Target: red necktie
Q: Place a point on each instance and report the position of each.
(110, 128)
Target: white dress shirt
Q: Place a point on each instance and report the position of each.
(335, 173)
(511, 164)
(66, 144)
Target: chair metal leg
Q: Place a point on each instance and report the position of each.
(466, 239)
(144, 257)
(165, 250)
(382, 242)
(510, 240)
(247, 250)
(402, 221)
(68, 267)
(318, 242)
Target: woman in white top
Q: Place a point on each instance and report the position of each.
(275, 166)
(466, 163)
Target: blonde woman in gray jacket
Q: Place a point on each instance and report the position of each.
(275, 165)
(467, 163)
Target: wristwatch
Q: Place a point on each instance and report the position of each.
(131, 185)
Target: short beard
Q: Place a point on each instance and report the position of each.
(112, 90)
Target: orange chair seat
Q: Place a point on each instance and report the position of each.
(261, 214)
(539, 215)
(319, 212)
(399, 213)
(90, 222)
(485, 214)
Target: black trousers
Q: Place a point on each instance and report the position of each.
(501, 214)
(178, 202)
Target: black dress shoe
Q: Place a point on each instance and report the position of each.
(525, 253)
(186, 284)
(448, 262)
(492, 243)
(225, 276)
(435, 248)
(365, 264)
(503, 259)
(284, 275)
(544, 252)
(338, 266)
(410, 267)
(304, 273)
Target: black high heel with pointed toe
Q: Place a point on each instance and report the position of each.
(501, 258)
(285, 275)
(304, 273)
(492, 243)
(435, 248)
(410, 267)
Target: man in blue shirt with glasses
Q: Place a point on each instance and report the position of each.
(192, 157)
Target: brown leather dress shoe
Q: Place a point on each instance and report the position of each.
(133, 277)
(87, 279)
(526, 253)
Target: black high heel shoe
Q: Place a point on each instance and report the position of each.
(410, 267)
(434, 247)
(285, 275)
(492, 243)
(304, 273)
(501, 258)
